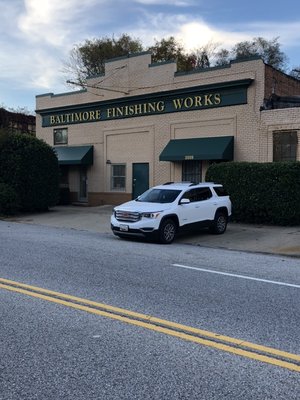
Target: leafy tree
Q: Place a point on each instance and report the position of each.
(170, 49)
(268, 50)
(89, 58)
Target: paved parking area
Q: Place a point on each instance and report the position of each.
(244, 237)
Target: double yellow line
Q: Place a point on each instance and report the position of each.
(225, 343)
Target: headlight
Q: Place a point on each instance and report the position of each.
(151, 215)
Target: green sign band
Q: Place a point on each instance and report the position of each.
(188, 99)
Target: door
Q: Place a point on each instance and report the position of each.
(83, 185)
(140, 178)
(201, 206)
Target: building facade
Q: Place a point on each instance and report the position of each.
(143, 124)
(16, 122)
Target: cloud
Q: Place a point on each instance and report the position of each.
(288, 33)
(36, 36)
(53, 21)
(194, 33)
(40, 37)
(198, 34)
(191, 34)
(180, 3)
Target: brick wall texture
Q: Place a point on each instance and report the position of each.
(142, 139)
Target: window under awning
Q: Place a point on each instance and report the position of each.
(74, 155)
(212, 148)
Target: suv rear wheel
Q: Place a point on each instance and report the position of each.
(219, 224)
(167, 231)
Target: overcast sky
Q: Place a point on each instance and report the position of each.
(36, 36)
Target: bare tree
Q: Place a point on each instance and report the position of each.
(295, 72)
(88, 59)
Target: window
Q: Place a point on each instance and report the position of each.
(60, 136)
(159, 196)
(118, 177)
(191, 171)
(198, 194)
(285, 146)
(220, 191)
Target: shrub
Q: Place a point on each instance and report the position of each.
(261, 192)
(8, 199)
(30, 167)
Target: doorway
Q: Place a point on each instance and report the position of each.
(140, 178)
(83, 185)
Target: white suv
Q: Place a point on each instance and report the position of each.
(163, 211)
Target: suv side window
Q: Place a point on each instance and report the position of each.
(220, 191)
(198, 194)
(204, 194)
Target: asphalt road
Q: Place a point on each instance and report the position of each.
(51, 351)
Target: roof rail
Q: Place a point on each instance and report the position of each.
(189, 183)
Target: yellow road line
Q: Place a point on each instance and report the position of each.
(149, 322)
(159, 321)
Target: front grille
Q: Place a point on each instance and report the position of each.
(127, 216)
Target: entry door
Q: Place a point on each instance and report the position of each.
(83, 185)
(140, 178)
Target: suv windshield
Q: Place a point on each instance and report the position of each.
(159, 196)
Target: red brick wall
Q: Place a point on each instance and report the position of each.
(278, 83)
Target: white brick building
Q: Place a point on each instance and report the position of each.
(143, 124)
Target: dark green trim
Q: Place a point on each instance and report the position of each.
(185, 99)
(225, 66)
(178, 92)
(202, 70)
(159, 63)
(62, 94)
(246, 59)
(211, 148)
(129, 55)
(74, 155)
(95, 76)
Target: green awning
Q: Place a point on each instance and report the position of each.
(211, 148)
(74, 155)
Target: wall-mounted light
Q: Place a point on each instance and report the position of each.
(108, 162)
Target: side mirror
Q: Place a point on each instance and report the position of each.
(184, 201)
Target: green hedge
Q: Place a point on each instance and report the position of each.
(30, 167)
(261, 192)
(9, 204)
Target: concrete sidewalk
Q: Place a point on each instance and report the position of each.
(244, 237)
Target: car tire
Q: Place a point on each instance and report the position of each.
(219, 224)
(167, 231)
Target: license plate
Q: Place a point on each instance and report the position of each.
(124, 228)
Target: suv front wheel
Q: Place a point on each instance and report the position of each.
(219, 224)
(167, 231)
